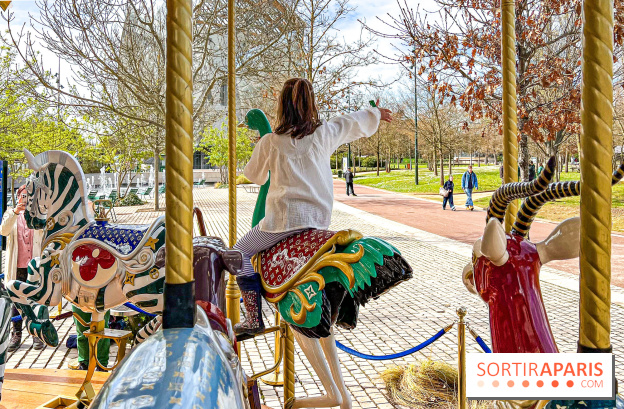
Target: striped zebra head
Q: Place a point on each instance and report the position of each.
(56, 192)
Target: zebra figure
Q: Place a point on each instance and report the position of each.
(93, 264)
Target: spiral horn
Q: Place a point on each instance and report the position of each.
(555, 191)
(512, 191)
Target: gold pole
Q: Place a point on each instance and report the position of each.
(179, 145)
(596, 155)
(289, 365)
(510, 118)
(461, 358)
(232, 292)
(275, 378)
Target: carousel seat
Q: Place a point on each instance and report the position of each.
(282, 266)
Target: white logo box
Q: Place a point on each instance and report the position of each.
(540, 376)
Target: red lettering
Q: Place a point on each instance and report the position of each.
(481, 368)
(506, 367)
(558, 367)
(495, 366)
(569, 369)
(516, 364)
(581, 369)
(546, 369)
(599, 369)
(533, 368)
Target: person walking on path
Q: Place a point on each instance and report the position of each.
(23, 244)
(449, 185)
(349, 180)
(469, 183)
(540, 168)
(531, 171)
(301, 193)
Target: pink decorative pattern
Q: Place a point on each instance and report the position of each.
(282, 261)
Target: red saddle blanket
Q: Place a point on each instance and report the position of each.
(282, 261)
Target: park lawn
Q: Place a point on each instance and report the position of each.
(402, 181)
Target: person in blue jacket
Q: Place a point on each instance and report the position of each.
(469, 183)
(449, 185)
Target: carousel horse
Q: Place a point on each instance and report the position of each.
(317, 279)
(506, 267)
(94, 264)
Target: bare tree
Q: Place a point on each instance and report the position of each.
(117, 53)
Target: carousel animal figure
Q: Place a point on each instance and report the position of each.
(318, 279)
(94, 264)
(505, 268)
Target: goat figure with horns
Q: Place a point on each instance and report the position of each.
(505, 267)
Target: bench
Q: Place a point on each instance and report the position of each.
(252, 188)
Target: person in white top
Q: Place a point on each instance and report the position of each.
(301, 195)
(23, 244)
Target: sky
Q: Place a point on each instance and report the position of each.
(349, 28)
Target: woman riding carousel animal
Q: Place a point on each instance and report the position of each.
(301, 194)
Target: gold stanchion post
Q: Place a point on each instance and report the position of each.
(510, 116)
(596, 155)
(461, 358)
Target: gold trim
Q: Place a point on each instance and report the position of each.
(63, 239)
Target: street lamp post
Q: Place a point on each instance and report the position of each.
(415, 121)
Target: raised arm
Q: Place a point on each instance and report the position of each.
(348, 128)
(257, 170)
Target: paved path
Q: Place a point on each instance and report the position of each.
(462, 225)
(402, 318)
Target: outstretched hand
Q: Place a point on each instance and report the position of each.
(386, 114)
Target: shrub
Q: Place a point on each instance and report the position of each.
(131, 199)
(242, 180)
(220, 185)
(369, 162)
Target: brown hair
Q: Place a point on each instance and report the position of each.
(297, 113)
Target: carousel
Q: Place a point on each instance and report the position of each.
(188, 355)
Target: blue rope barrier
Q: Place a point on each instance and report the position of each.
(137, 309)
(397, 355)
(483, 345)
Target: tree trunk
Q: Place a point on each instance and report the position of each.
(450, 164)
(567, 159)
(523, 157)
(156, 180)
(479, 159)
(435, 162)
(441, 169)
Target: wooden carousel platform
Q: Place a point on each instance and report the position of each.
(31, 388)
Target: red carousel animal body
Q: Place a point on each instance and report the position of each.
(505, 266)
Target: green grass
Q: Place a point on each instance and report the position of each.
(402, 181)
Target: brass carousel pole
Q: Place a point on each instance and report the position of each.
(179, 311)
(510, 116)
(596, 155)
(232, 292)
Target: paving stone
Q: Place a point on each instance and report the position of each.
(402, 318)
